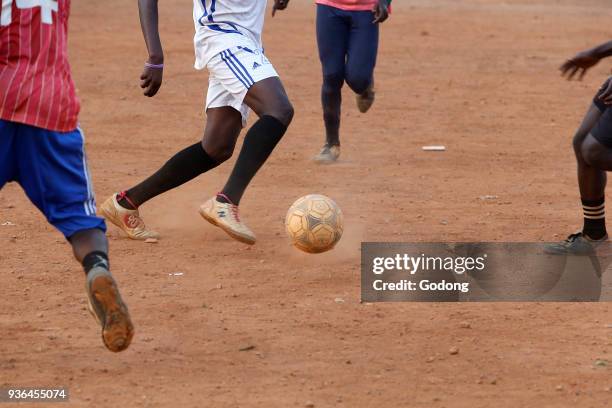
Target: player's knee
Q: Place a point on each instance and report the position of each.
(589, 155)
(577, 143)
(333, 82)
(359, 83)
(283, 112)
(220, 152)
(594, 154)
(287, 113)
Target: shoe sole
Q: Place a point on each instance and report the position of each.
(569, 252)
(325, 161)
(117, 328)
(557, 251)
(228, 231)
(110, 216)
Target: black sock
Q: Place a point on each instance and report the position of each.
(258, 144)
(594, 218)
(183, 167)
(95, 259)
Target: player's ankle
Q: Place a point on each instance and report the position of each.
(95, 259)
(595, 235)
(225, 199)
(124, 201)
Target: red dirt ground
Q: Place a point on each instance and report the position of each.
(479, 76)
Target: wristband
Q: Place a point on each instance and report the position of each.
(154, 66)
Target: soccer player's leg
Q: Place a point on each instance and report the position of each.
(223, 127)
(58, 183)
(333, 28)
(361, 58)
(249, 81)
(222, 130)
(593, 149)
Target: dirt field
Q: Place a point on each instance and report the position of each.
(479, 76)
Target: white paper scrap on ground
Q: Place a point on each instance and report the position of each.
(434, 148)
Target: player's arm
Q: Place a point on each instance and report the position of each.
(381, 11)
(279, 5)
(585, 60)
(151, 77)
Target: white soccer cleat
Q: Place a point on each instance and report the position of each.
(226, 217)
(127, 220)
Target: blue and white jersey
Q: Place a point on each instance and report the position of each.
(222, 24)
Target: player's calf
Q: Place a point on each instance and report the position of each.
(269, 100)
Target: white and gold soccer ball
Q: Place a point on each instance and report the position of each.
(314, 223)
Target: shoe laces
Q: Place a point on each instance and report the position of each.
(234, 212)
(573, 237)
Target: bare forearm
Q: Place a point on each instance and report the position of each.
(601, 51)
(149, 23)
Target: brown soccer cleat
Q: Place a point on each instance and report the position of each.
(366, 99)
(328, 155)
(107, 307)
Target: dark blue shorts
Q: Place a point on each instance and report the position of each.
(348, 45)
(51, 167)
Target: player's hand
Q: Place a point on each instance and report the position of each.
(580, 64)
(279, 5)
(605, 93)
(381, 12)
(151, 80)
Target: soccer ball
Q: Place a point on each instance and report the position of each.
(314, 223)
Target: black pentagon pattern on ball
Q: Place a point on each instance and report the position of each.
(312, 221)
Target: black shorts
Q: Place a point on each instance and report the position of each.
(602, 131)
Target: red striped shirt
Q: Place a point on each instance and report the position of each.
(36, 86)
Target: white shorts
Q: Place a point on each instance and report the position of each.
(232, 73)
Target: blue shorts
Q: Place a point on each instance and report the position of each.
(51, 167)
